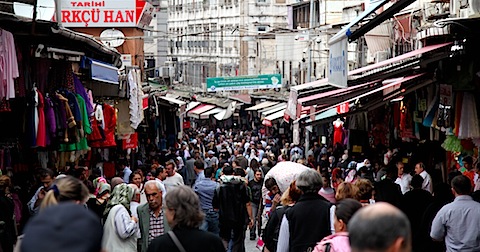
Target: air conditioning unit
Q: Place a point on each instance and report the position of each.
(381, 56)
(469, 8)
(435, 10)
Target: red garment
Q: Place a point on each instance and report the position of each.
(109, 170)
(470, 175)
(337, 134)
(96, 135)
(42, 130)
(110, 123)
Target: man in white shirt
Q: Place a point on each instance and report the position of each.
(211, 160)
(173, 178)
(427, 180)
(404, 179)
(161, 175)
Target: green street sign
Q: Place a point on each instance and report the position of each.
(263, 81)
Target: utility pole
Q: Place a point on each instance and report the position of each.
(243, 44)
(309, 67)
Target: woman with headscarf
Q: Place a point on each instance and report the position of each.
(120, 227)
(331, 163)
(98, 201)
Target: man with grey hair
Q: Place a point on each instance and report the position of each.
(308, 221)
(380, 227)
(265, 168)
(152, 219)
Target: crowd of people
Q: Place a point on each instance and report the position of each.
(212, 188)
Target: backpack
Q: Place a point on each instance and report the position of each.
(232, 199)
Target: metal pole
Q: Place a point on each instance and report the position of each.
(58, 12)
(309, 67)
(311, 13)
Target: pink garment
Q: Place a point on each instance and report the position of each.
(8, 65)
(338, 243)
(328, 194)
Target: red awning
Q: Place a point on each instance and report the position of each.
(196, 112)
(331, 93)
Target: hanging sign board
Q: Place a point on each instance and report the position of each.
(104, 13)
(338, 64)
(263, 81)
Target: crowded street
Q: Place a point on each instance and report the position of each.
(239, 126)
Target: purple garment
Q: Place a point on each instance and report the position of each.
(42, 68)
(80, 90)
(50, 120)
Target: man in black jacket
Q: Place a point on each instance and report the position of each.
(308, 221)
(233, 201)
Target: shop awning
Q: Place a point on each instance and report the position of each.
(207, 114)
(173, 100)
(395, 60)
(365, 73)
(328, 112)
(346, 31)
(226, 113)
(191, 105)
(379, 18)
(262, 105)
(276, 115)
(275, 109)
(271, 107)
(195, 113)
(103, 72)
(315, 99)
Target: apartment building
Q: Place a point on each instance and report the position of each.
(223, 37)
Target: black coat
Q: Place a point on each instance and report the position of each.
(309, 222)
(192, 240)
(387, 191)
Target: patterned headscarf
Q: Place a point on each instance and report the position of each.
(100, 185)
(122, 194)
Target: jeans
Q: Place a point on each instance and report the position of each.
(234, 237)
(211, 222)
(255, 208)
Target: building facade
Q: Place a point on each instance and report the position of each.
(223, 38)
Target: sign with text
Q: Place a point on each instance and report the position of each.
(131, 142)
(338, 64)
(263, 81)
(102, 13)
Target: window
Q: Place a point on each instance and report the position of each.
(261, 29)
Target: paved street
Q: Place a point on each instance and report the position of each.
(250, 246)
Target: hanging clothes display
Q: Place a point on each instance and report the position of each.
(123, 118)
(469, 125)
(41, 129)
(338, 132)
(136, 98)
(98, 133)
(110, 122)
(50, 122)
(8, 65)
(80, 90)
